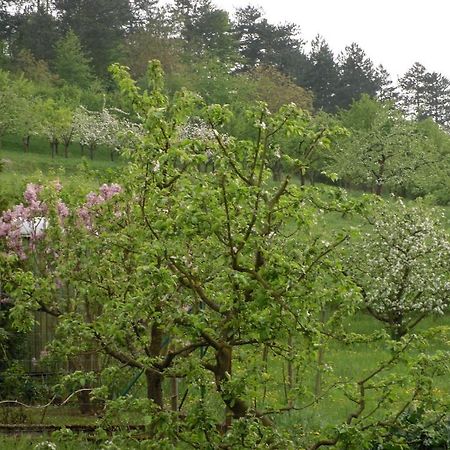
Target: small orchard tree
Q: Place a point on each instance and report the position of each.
(57, 125)
(24, 110)
(8, 104)
(89, 131)
(28, 122)
(314, 148)
(401, 266)
(118, 131)
(200, 257)
(70, 62)
(383, 149)
(104, 127)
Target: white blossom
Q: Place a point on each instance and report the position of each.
(402, 264)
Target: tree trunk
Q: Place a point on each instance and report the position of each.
(83, 398)
(378, 188)
(84, 402)
(302, 177)
(398, 330)
(290, 369)
(155, 387)
(276, 171)
(155, 379)
(379, 180)
(320, 360)
(223, 371)
(174, 394)
(26, 143)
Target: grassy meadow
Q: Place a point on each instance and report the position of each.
(19, 167)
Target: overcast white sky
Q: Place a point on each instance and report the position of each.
(395, 33)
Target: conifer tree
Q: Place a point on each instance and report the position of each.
(412, 91)
(357, 76)
(71, 64)
(322, 76)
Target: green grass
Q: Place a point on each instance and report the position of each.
(44, 443)
(19, 168)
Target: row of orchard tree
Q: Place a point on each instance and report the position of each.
(393, 144)
(380, 147)
(77, 40)
(27, 110)
(227, 282)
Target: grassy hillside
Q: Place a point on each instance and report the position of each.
(19, 167)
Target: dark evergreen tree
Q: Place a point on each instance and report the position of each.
(204, 29)
(357, 76)
(262, 43)
(387, 91)
(100, 25)
(321, 75)
(142, 13)
(284, 49)
(248, 25)
(437, 98)
(70, 62)
(5, 21)
(35, 31)
(412, 98)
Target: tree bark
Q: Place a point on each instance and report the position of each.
(155, 379)
(66, 148)
(174, 394)
(223, 371)
(155, 387)
(302, 177)
(26, 143)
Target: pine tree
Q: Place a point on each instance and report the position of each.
(264, 44)
(413, 91)
(204, 29)
(100, 25)
(322, 75)
(36, 31)
(387, 91)
(71, 64)
(357, 76)
(437, 98)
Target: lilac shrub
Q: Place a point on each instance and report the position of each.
(30, 219)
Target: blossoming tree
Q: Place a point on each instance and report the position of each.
(401, 265)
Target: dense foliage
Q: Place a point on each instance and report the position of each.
(197, 266)
(218, 287)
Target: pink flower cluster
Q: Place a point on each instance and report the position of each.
(24, 221)
(28, 220)
(106, 192)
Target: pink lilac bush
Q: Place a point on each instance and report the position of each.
(86, 212)
(30, 219)
(24, 218)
